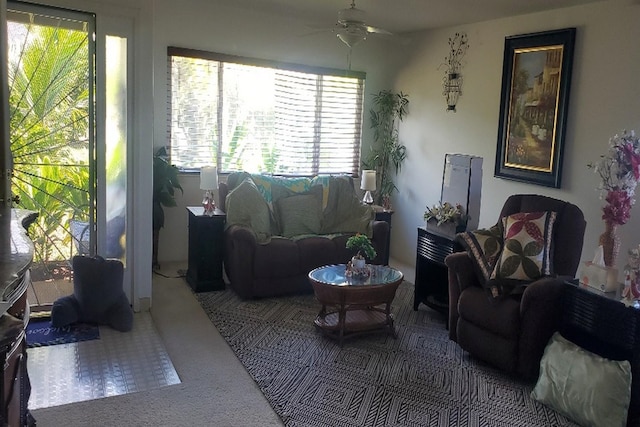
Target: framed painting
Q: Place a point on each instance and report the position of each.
(536, 77)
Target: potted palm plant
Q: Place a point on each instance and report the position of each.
(362, 244)
(387, 153)
(165, 182)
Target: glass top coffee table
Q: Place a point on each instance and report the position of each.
(352, 306)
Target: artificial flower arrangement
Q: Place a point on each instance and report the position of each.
(444, 213)
(619, 172)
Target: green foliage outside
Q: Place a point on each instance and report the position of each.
(49, 109)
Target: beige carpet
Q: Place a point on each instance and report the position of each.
(215, 390)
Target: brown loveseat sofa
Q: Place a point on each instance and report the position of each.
(289, 226)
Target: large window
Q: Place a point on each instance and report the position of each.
(262, 116)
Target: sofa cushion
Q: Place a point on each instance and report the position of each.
(316, 251)
(246, 206)
(300, 213)
(583, 386)
(502, 317)
(526, 254)
(279, 259)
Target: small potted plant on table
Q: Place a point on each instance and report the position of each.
(362, 244)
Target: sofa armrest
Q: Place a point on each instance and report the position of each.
(540, 315)
(461, 276)
(239, 251)
(380, 241)
(223, 190)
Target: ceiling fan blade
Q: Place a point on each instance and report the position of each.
(376, 30)
(317, 31)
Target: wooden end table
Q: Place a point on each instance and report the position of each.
(432, 280)
(354, 306)
(204, 271)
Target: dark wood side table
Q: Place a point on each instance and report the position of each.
(383, 214)
(206, 249)
(432, 281)
(600, 323)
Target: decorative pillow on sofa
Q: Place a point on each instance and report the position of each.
(298, 213)
(527, 246)
(589, 389)
(246, 206)
(483, 247)
(345, 213)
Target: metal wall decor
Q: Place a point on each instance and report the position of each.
(452, 80)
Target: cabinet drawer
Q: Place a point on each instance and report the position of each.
(434, 248)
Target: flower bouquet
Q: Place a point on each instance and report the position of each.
(619, 171)
(445, 218)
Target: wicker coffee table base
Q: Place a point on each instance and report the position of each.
(348, 322)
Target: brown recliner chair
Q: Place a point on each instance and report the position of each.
(511, 333)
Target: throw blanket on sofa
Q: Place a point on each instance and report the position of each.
(289, 207)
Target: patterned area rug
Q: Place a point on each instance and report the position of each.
(419, 379)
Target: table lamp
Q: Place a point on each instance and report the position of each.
(368, 183)
(208, 183)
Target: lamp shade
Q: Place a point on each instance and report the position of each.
(208, 178)
(368, 181)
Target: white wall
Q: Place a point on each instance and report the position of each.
(217, 26)
(605, 98)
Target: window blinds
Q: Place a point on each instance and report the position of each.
(259, 116)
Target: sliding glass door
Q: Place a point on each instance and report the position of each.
(69, 133)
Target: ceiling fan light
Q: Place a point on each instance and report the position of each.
(352, 36)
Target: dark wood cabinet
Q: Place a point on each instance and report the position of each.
(15, 278)
(13, 351)
(432, 284)
(206, 250)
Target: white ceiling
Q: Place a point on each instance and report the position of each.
(400, 16)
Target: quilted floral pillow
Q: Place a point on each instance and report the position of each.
(483, 247)
(526, 255)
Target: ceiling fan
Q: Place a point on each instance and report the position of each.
(352, 28)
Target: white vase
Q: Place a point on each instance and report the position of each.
(358, 263)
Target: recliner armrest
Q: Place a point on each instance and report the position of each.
(461, 276)
(540, 314)
(462, 266)
(240, 244)
(242, 233)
